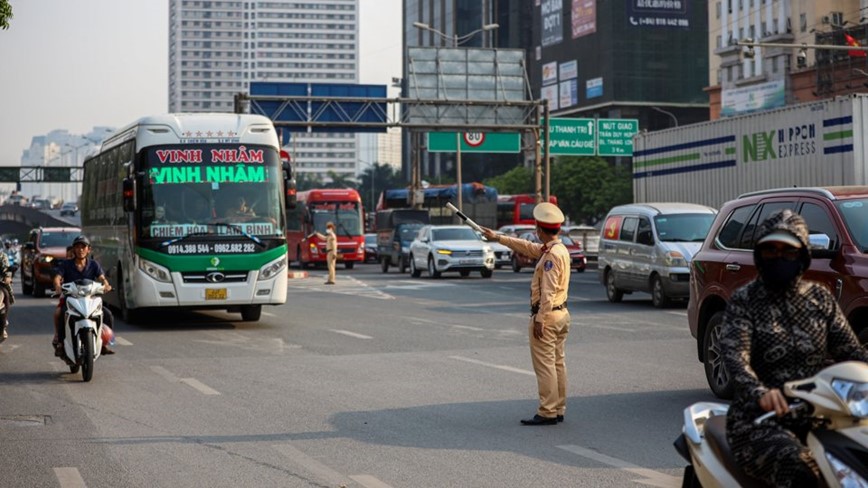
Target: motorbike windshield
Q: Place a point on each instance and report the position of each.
(683, 227)
(855, 215)
(188, 187)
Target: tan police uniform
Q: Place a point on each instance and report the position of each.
(548, 296)
(331, 252)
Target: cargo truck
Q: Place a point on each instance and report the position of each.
(820, 143)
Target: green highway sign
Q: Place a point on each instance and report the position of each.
(475, 142)
(615, 136)
(571, 137)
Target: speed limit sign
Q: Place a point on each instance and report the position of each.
(474, 139)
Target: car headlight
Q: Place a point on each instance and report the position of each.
(674, 259)
(854, 395)
(46, 259)
(271, 269)
(444, 251)
(843, 473)
(155, 271)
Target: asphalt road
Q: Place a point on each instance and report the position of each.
(380, 381)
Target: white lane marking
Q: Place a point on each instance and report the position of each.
(122, 342)
(69, 478)
(680, 314)
(269, 314)
(351, 334)
(316, 468)
(369, 481)
(9, 348)
(649, 476)
(495, 366)
(191, 382)
(467, 327)
(202, 387)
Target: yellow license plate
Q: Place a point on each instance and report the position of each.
(215, 294)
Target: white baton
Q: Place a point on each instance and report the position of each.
(467, 220)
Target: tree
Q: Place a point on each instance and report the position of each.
(516, 181)
(588, 187)
(5, 14)
(341, 180)
(374, 179)
(307, 181)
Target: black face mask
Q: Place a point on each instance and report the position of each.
(779, 273)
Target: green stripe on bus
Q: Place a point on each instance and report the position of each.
(831, 136)
(730, 150)
(202, 262)
(671, 159)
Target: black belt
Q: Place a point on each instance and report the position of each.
(534, 309)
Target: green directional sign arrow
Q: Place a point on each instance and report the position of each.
(615, 136)
(571, 137)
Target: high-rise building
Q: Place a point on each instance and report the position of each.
(216, 48)
(633, 59)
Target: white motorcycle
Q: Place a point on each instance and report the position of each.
(82, 326)
(836, 399)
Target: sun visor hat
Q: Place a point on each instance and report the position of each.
(782, 237)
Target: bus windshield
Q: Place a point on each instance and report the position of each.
(347, 217)
(188, 188)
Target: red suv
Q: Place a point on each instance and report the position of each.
(39, 254)
(837, 218)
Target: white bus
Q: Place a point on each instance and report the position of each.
(189, 211)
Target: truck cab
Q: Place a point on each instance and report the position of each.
(396, 229)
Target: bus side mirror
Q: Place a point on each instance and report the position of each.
(129, 192)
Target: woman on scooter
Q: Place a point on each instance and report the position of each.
(779, 328)
(78, 268)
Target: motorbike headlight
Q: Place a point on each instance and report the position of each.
(271, 269)
(674, 259)
(444, 251)
(843, 473)
(854, 395)
(155, 271)
(45, 259)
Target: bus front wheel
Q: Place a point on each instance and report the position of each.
(251, 313)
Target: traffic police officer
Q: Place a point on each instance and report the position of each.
(331, 251)
(549, 320)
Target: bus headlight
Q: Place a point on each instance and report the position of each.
(271, 269)
(155, 271)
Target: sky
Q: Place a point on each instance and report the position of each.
(79, 64)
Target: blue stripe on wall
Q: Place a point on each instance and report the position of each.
(686, 145)
(838, 121)
(838, 149)
(684, 169)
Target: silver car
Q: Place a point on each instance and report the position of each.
(443, 248)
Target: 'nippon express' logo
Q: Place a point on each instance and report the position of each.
(794, 141)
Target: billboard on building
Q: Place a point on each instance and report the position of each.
(662, 59)
(752, 98)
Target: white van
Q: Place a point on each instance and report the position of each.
(648, 247)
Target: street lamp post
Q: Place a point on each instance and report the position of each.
(456, 42)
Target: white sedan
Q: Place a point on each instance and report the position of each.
(442, 248)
